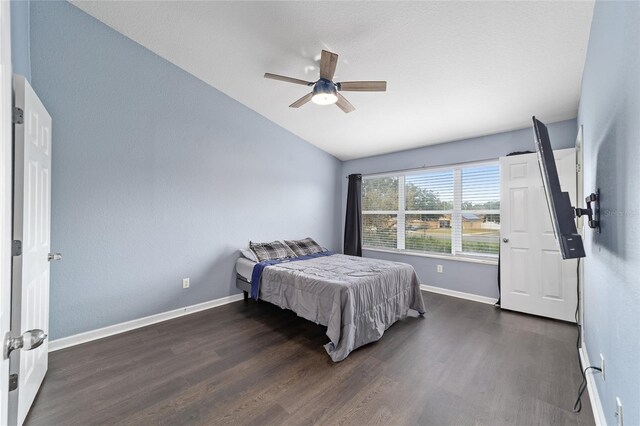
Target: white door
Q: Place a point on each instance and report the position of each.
(534, 278)
(32, 226)
(5, 201)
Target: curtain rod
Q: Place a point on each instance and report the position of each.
(424, 166)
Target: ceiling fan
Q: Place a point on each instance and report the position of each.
(325, 91)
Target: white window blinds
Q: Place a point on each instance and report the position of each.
(380, 212)
(429, 209)
(452, 211)
(480, 210)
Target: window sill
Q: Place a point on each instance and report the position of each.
(469, 259)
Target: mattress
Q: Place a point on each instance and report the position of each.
(356, 298)
(244, 268)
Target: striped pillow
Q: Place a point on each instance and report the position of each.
(274, 250)
(304, 247)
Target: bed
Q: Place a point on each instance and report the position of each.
(356, 298)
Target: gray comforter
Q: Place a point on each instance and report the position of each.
(356, 298)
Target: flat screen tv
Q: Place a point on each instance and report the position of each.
(562, 213)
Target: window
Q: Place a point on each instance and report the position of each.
(453, 211)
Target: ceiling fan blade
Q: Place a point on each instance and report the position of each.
(363, 86)
(344, 104)
(328, 62)
(287, 79)
(303, 100)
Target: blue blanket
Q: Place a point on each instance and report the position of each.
(256, 275)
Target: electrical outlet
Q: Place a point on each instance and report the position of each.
(440, 269)
(602, 367)
(185, 283)
(618, 412)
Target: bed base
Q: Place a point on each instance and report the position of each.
(243, 285)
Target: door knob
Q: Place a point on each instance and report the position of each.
(505, 240)
(29, 340)
(54, 256)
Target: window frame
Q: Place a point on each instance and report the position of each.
(456, 213)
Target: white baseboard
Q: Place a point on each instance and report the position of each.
(459, 294)
(594, 397)
(100, 333)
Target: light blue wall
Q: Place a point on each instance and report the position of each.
(610, 114)
(20, 58)
(158, 176)
(479, 279)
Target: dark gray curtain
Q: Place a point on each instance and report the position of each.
(353, 221)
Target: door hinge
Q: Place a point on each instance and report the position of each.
(16, 248)
(18, 115)
(578, 168)
(13, 382)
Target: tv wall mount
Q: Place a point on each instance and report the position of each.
(592, 211)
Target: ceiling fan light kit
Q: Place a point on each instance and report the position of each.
(325, 91)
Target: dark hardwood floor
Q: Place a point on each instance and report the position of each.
(464, 363)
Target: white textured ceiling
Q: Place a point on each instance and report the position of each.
(454, 69)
